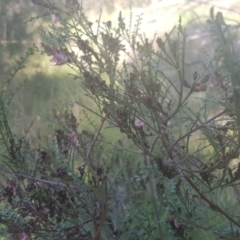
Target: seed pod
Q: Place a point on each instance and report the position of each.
(195, 75)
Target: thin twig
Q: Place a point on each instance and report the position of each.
(212, 205)
(236, 190)
(153, 199)
(60, 184)
(197, 128)
(95, 138)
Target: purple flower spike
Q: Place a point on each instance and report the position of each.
(59, 58)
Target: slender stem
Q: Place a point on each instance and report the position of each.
(197, 128)
(153, 199)
(212, 205)
(95, 139)
(3, 169)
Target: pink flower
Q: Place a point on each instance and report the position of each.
(77, 144)
(24, 236)
(59, 58)
(138, 123)
(54, 18)
(73, 136)
(39, 183)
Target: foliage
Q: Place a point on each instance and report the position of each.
(80, 186)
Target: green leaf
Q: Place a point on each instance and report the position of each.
(212, 13)
(219, 19)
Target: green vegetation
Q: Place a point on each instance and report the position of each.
(140, 154)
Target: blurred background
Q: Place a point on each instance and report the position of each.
(49, 87)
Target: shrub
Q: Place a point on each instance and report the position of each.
(80, 186)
